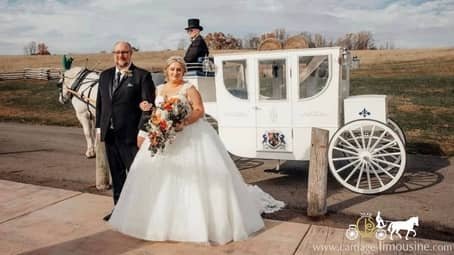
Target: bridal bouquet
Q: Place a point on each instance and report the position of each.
(176, 108)
(162, 123)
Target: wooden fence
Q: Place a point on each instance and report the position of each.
(32, 73)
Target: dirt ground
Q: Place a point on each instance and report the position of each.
(54, 156)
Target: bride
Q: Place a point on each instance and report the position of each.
(192, 191)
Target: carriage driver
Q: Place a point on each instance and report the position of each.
(198, 47)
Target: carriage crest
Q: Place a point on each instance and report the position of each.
(273, 140)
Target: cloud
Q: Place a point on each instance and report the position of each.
(92, 26)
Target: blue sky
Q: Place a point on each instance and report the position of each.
(84, 26)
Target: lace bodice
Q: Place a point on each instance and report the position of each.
(182, 95)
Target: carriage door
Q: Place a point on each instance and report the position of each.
(273, 108)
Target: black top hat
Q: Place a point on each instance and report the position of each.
(194, 23)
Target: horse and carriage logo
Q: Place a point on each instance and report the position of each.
(367, 227)
(273, 140)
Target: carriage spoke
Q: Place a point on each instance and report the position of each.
(368, 176)
(395, 157)
(346, 151)
(346, 166)
(376, 175)
(360, 175)
(387, 154)
(352, 172)
(382, 169)
(370, 137)
(378, 140)
(354, 138)
(347, 142)
(345, 158)
(386, 162)
(389, 144)
(362, 137)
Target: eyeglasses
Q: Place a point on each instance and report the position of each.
(120, 52)
(190, 30)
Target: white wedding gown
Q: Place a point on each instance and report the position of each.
(191, 192)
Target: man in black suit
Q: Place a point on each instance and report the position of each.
(198, 47)
(118, 116)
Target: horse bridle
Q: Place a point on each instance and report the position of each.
(75, 86)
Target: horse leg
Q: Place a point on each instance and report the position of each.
(398, 234)
(84, 121)
(391, 234)
(93, 135)
(406, 236)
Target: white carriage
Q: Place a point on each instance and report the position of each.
(266, 103)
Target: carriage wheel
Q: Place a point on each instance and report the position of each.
(396, 128)
(366, 156)
(380, 234)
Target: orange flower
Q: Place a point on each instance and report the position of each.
(156, 118)
(167, 106)
(163, 124)
(153, 138)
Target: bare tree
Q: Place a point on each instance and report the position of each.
(387, 45)
(319, 40)
(251, 41)
(42, 49)
(357, 41)
(364, 40)
(347, 41)
(280, 34)
(30, 48)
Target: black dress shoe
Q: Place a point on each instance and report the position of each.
(107, 217)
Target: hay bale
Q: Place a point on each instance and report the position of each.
(297, 42)
(270, 44)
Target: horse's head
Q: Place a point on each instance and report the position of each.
(64, 84)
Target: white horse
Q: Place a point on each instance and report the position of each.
(81, 87)
(396, 226)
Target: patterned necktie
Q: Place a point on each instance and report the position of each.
(116, 81)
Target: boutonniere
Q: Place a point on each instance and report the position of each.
(127, 73)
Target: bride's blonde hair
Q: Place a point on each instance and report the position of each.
(172, 60)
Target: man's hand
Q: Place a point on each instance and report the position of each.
(145, 106)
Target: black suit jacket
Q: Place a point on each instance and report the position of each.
(198, 48)
(122, 105)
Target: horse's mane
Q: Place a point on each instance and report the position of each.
(73, 71)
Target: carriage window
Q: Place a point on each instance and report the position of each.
(272, 79)
(234, 72)
(313, 75)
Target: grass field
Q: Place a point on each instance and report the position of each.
(420, 84)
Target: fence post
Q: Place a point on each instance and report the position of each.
(103, 180)
(318, 173)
